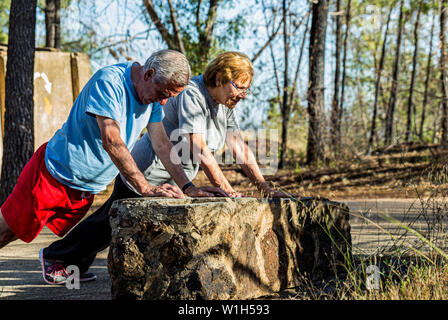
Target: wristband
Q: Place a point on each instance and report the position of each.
(187, 185)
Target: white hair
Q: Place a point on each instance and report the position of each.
(169, 66)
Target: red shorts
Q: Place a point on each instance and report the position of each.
(38, 199)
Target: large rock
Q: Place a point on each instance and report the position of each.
(222, 248)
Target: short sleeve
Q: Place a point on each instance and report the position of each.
(192, 112)
(105, 100)
(156, 113)
(232, 120)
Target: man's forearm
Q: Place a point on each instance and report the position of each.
(125, 163)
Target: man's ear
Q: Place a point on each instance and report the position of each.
(148, 74)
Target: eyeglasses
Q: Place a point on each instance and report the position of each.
(240, 90)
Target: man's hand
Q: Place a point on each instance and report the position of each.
(197, 192)
(166, 190)
(120, 155)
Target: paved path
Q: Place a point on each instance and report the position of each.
(20, 272)
(373, 231)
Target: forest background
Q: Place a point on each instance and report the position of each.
(340, 80)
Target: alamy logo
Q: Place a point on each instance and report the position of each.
(373, 278)
(263, 144)
(72, 281)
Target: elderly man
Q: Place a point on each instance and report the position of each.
(57, 186)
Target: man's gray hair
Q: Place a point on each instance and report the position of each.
(169, 66)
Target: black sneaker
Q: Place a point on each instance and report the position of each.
(86, 277)
(55, 273)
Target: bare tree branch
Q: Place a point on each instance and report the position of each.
(211, 18)
(177, 35)
(167, 37)
(123, 41)
(198, 10)
(271, 38)
(124, 54)
(277, 80)
(114, 53)
(296, 75)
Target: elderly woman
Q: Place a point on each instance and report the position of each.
(198, 121)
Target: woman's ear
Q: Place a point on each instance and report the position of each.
(218, 79)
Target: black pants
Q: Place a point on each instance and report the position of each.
(92, 235)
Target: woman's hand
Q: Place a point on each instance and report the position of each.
(235, 194)
(268, 192)
(206, 191)
(271, 193)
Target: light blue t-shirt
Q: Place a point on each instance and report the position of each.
(75, 155)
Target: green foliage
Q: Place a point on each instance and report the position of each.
(192, 17)
(4, 20)
(4, 17)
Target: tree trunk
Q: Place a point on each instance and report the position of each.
(18, 142)
(278, 97)
(52, 24)
(315, 94)
(428, 75)
(377, 86)
(443, 73)
(335, 124)
(285, 108)
(394, 86)
(293, 93)
(414, 70)
(344, 62)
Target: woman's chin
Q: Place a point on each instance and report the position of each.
(231, 104)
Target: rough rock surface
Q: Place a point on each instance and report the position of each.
(222, 248)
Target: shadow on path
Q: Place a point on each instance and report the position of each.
(21, 274)
(21, 279)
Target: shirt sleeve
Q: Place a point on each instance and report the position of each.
(232, 120)
(192, 112)
(105, 100)
(156, 113)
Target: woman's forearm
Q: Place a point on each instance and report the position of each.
(214, 173)
(244, 155)
(207, 161)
